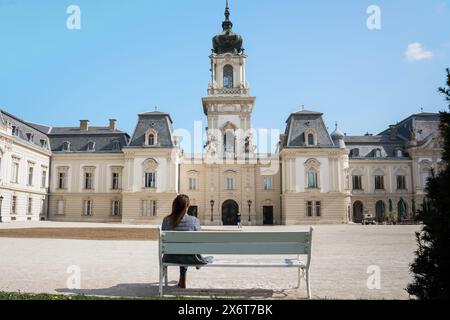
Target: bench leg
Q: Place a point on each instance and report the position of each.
(166, 277)
(300, 275)
(308, 286)
(161, 276)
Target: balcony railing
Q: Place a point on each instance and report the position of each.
(227, 91)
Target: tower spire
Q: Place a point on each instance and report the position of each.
(227, 25)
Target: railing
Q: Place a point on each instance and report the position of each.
(228, 91)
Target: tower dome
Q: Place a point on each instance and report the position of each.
(338, 137)
(227, 40)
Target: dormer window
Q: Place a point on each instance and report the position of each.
(66, 146)
(377, 153)
(151, 138)
(228, 77)
(43, 143)
(91, 146)
(30, 137)
(15, 131)
(310, 139)
(398, 153)
(116, 146)
(354, 153)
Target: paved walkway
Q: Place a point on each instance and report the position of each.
(341, 257)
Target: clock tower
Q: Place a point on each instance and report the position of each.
(228, 105)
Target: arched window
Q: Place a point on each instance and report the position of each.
(66, 146)
(354, 153)
(312, 179)
(229, 140)
(398, 153)
(310, 139)
(91, 146)
(228, 77)
(151, 137)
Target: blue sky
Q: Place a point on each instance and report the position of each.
(131, 56)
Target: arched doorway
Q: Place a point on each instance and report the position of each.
(358, 211)
(230, 210)
(380, 210)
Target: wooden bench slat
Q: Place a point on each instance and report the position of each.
(285, 263)
(259, 248)
(231, 237)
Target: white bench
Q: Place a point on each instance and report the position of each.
(238, 243)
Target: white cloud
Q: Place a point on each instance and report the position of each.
(416, 52)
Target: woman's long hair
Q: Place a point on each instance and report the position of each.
(179, 207)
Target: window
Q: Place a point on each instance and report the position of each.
(116, 146)
(15, 131)
(62, 180)
(379, 182)
(42, 210)
(14, 205)
(44, 179)
(151, 139)
(354, 153)
(398, 153)
(401, 182)
(311, 139)
(230, 183)
(377, 153)
(115, 210)
(115, 181)
(88, 180)
(15, 172)
(267, 183)
(192, 184)
(30, 137)
(91, 146)
(229, 140)
(425, 174)
(87, 208)
(60, 207)
(30, 206)
(149, 208)
(312, 179)
(228, 77)
(318, 209)
(357, 182)
(66, 146)
(43, 143)
(30, 175)
(309, 209)
(150, 179)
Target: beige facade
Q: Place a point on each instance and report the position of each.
(24, 171)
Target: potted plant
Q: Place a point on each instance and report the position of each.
(393, 217)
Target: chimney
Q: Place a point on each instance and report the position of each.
(393, 132)
(112, 124)
(84, 125)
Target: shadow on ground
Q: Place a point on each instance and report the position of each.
(148, 290)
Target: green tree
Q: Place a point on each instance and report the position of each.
(431, 267)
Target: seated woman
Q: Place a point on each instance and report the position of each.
(178, 220)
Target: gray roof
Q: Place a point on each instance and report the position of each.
(25, 131)
(301, 121)
(160, 122)
(104, 139)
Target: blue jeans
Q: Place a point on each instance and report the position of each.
(183, 271)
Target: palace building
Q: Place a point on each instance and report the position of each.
(101, 174)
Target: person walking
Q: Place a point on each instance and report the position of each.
(239, 220)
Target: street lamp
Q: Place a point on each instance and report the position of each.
(249, 202)
(212, 210)
(1, 204)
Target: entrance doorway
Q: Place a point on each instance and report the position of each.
(358, 212)
(268, 215)
(230, 210)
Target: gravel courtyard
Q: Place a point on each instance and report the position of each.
(342, 255)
